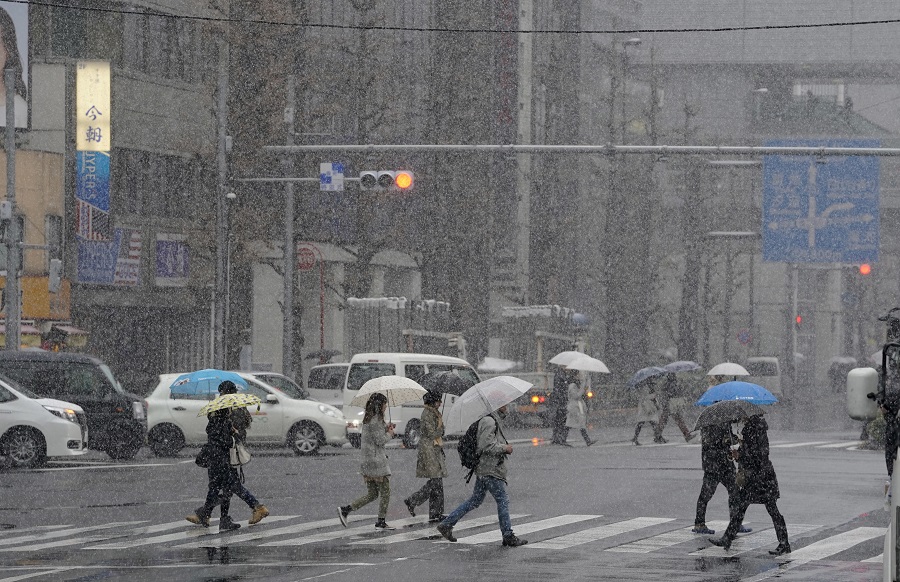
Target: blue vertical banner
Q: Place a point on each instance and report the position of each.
(92, 195)
(821, 209)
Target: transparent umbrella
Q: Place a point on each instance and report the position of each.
(482, 399)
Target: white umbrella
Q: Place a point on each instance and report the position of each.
(563, 358)
(587, 364)
(397, 390)
(482, 399)
(728, 369)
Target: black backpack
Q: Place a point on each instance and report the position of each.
(468, 447)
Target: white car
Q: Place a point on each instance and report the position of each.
(286, 417)
(34, 428)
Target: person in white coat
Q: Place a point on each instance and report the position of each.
(648, 409)
(576, 412)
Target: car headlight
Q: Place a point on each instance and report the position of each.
(328, 411)
(64, 413)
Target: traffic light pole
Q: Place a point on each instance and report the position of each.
(13, 251)
(287, 335)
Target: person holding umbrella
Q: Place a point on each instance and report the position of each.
(559, 403)
(576, 411)
(672, 403)
(486, 403)
(223, 429)
(760, 485)
(376, 432)
(430, 463)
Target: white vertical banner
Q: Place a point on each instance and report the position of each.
(92, 102)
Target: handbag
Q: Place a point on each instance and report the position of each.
(238, 454)
(202, 459)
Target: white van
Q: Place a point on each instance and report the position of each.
(765, 371)
(364, 367)
(326, 383)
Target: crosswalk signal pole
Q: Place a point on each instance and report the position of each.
(13, 252)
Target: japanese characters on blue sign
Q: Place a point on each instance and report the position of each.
(821, 209)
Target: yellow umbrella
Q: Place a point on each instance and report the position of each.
(230, 401)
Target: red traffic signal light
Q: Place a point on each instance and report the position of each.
(865, 269)
(798, 320)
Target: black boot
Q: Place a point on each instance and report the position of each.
(511, 541)
(225, 524)
(783, 548)
(722, 542)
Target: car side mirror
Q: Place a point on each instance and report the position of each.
(271, 399)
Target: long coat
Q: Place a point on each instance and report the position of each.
(760, 483)
(715, 451)
(576, 414)
(431, 463)
(648, 410)
(373, 438)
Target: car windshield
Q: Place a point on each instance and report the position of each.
(362, 373)
(284, 384)
(18, 387)
(464, 372)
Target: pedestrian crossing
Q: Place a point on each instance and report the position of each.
(695, 444)
(598, 533)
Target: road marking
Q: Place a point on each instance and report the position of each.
(794, 445)
(820, 550)
(879, 559)
(138, 531)
(278, 531)
(34, 574)
(343, 532)
(61, 533)
(95, 467)
(496, 536)
(431, 532)
(18, 530)
(842, 444)
(598, 533)
(193, 533)
(664, 540)
(746, 543)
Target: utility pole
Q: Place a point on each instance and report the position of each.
(219, 295)
(287, 337)
(13, 251)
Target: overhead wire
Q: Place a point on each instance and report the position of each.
(386, 28)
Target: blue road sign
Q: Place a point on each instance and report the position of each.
(821, 210)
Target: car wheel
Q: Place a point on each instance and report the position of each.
(165, 440)
(413, 434)
(305, 438)
(25, 448)
(124, 450)
(355, 440)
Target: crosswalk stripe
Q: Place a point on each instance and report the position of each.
(875, 559)
(746, 543)
(35, 574)
(193, 532)
(344, 532)
(598, 533)
(836, 544)
(664, 540)
(138, 531)
(527, 528)
(18, 530)
(794, 445)
(431, 532)
(278, 531)
(39, 537)
(842, 444)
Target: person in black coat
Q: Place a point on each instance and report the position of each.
(760, 485)
(715, 457)
(559, 403)
(223, 428)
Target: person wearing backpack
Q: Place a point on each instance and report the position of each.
(490, 471)
(430, 463)
(374, 467)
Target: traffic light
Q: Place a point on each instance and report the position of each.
(54, 277)
(865, 269)
(798, 321)
(400, 180)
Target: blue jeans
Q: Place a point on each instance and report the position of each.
(483, 485)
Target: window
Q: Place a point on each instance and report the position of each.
(415, 371)
(285, 385)
(6, 395)
(362, 373)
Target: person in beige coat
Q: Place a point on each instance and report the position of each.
(431, 463)
(576, 412)
(374, 467)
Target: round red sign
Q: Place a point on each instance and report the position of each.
(306, 259)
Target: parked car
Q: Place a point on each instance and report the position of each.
(34, 428)
(116, 419)
(285, 418)
(326, 383)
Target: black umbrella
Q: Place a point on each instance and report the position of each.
(324, 356)
(445, 383)
(727, 411)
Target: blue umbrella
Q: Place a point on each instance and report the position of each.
(206, 381)
(737, 390)
(645, 373)
(682, 366)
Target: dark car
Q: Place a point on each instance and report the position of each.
(117, 420)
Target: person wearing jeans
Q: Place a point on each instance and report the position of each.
(490, 473)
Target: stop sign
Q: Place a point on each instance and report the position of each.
(306, 259)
